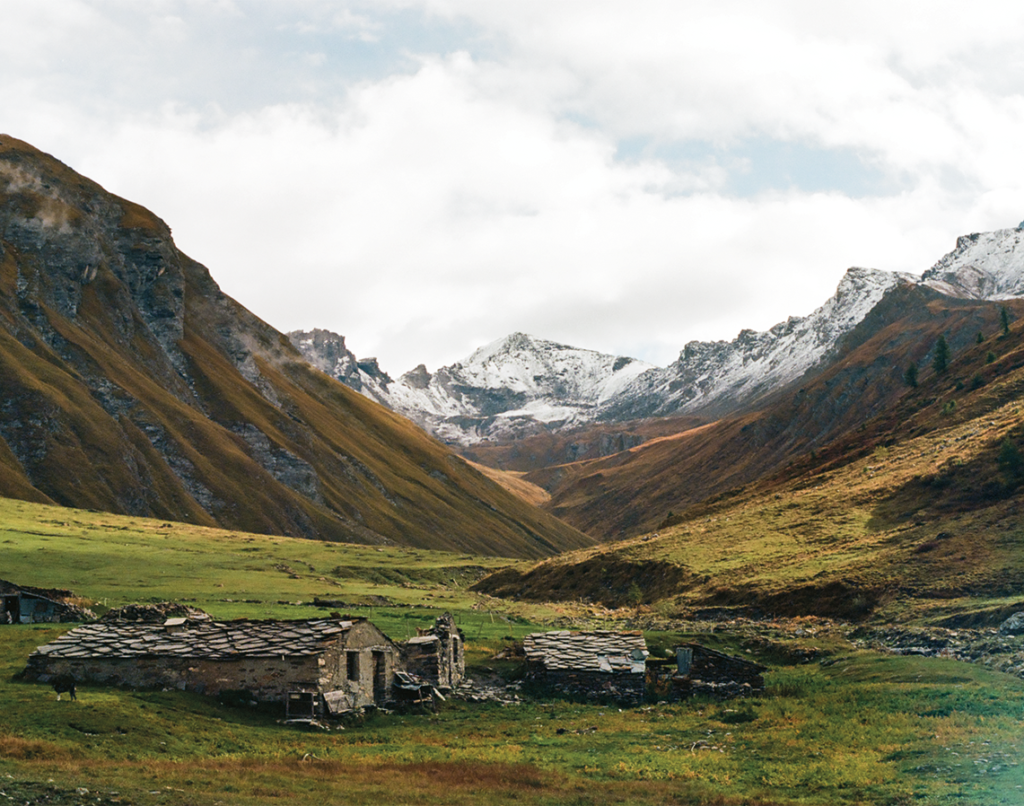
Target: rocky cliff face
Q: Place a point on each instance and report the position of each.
(132, 384)
(327, 352)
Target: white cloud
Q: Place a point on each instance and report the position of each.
(477, 189)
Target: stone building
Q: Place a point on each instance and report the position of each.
(21, 604)
(344, 664)
(437, 655)
(588, 665)
(700, 670)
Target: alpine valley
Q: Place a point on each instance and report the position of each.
(838, 498)
(521, 385)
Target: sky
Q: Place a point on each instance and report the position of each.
(427, 176)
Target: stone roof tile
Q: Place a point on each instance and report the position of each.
(198, 639)
(595, 651)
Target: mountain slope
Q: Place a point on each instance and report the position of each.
(714, 378)
(915, 515)
(984, 265)
(624, 494)
(132, 384)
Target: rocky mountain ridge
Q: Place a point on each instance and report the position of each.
(522, 385)
(513, 387)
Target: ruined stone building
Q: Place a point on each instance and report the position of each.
(437, 655)
(348, 663)
(699, 670)
(588, 665)
(22, 604)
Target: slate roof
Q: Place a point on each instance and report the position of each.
(211, 640)
(597, 651)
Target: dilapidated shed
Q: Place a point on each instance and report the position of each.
(437, 655)
(22, 604)
(348, 663)
(700, 670)
(588, 665)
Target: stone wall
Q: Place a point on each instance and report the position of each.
(581, 685)
(357, 663)
(717, 675)
(267, 679)
(439, 656)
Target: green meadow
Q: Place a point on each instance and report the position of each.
(855, 727)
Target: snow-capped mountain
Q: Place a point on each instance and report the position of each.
(512, 387)
(520, 385)
(719, 375)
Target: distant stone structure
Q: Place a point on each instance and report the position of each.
(588, 665)
(438, 655)
(700, 670)
(341, 664)
(155, 613)
(22, 604)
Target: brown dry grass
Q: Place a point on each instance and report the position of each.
(514, 483)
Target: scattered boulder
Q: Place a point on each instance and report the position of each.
(155, 613)
(1014, 625)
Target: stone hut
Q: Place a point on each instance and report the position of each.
(588, 665)
(344, 664)
(21, 604)
(438, 656)
(700, 670)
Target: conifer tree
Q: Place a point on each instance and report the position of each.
(940, 362)
(1004, 320)
(910, 376)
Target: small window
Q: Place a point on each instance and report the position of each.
(684, 659)
(352, 663)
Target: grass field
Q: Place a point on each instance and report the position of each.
(860, 728)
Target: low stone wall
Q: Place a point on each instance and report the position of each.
(267, 679)
(624, 688)
(718, 675)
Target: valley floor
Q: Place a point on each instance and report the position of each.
(843, 720)
(837, 725)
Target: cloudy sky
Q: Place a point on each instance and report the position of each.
(426, 176)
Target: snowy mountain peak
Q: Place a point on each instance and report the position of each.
(713, 376)
(984, 265)
(520, 384)
(513, 386)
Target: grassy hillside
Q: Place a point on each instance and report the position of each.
(914, 515)
(856, 728)
(132, 384)
(111, 560)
